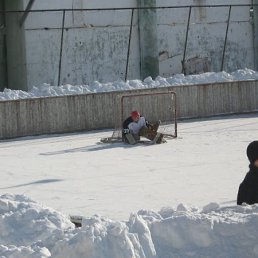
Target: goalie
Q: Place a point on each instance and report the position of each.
(136, 126)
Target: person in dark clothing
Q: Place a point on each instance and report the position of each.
(248, 189)
(136, 125)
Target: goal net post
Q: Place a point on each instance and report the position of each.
(153, 106)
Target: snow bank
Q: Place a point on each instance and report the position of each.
(25, 224)
(47, 90)
(30, 230)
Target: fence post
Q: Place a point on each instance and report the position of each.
(129, 45)
(186, 39)
(148, 39)
(255, 27)
(26, 13)
(16, 62)
(226, 38)
(61, 49)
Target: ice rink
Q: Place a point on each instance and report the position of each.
(76, 175)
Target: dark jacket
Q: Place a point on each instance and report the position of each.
(127, 121)
(248, 189)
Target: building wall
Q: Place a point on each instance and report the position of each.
(95, 43)
(206, 37)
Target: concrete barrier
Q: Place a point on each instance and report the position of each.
(100, 110)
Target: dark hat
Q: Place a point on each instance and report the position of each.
(252, 151)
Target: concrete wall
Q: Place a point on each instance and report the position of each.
(101, 110)
(206, 37)
(96, 43)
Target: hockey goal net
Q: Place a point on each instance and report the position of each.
(154, 107)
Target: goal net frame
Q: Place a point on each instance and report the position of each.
(172, 113)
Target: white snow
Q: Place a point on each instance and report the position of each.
(46, 90)
(171, 200)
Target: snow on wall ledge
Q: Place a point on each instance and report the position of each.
(29, 229)
(47, 90)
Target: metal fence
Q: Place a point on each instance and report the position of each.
(190, 8)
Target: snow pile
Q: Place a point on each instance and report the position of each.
(23, 223)
(31, 230)
(47, 90)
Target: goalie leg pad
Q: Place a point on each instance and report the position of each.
(158, 138)
(130, 139)
(155, 126)
(147, 133)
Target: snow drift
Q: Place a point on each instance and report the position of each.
(29, 229)
(47, 90)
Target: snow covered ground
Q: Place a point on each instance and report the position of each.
(171, 200)
(146, 201)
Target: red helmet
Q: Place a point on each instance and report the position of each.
(135, 115)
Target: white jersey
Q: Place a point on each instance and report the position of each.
(135, 127)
